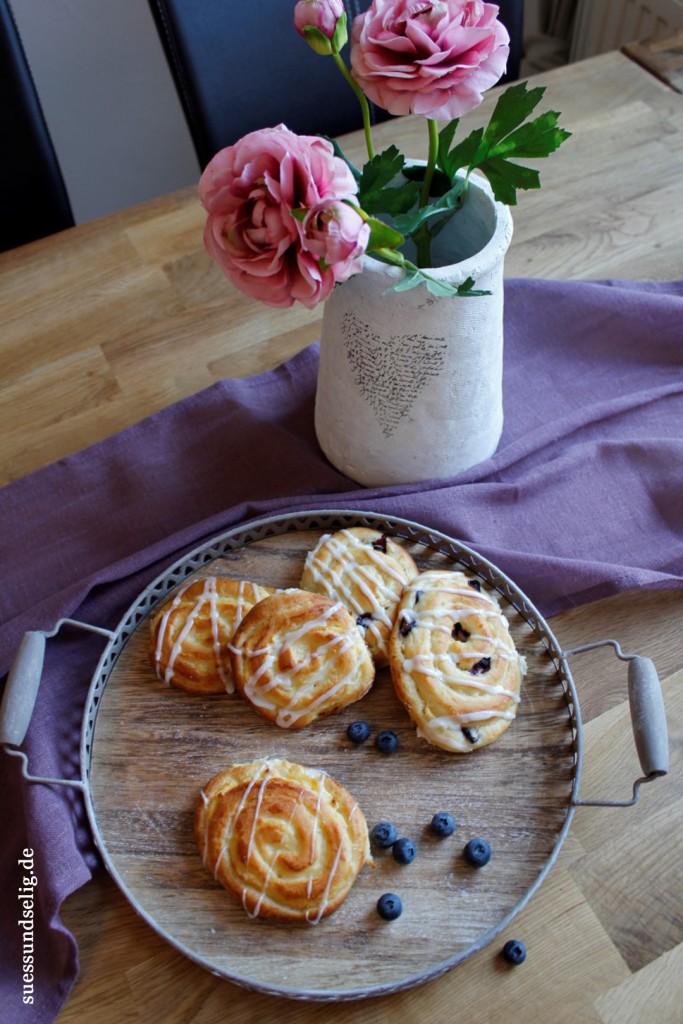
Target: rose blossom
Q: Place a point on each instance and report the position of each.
(337, 234)
(249, 190)
(435, 58)
(320, 14)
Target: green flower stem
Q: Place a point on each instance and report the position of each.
(361, 99)
(422, 236)
(433, 129)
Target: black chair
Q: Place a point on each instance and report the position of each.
(238, 67)
(33, 198)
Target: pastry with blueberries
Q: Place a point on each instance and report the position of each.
(367, 571)
(286, 840)
(454, 664)
(299, 656)
(190, 633)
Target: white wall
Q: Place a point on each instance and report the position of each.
(109, 101)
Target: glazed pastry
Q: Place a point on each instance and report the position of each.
(288, 841)
(454, 664)
(366, 570)
(298, 656)
(190, 633)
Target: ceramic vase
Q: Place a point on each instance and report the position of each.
(410, 384)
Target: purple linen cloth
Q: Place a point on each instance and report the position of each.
(583, 498)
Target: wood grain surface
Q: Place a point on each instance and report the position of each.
(114, 320)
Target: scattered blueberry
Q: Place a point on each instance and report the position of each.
(358, 732)
(364, 619)
(477, 853)
(460, 633)
(475, 584)
(481, 666)
(406, 624)
(384, 835)
(389, 906)
(381, 543)
(442, 824)
(514, 952)
(418, 595)
(403, 851)
(386, 741)
(470, 733)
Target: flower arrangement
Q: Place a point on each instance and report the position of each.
(288, 216)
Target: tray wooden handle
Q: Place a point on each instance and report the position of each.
(648, 719)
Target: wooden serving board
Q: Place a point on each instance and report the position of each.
(155, 747)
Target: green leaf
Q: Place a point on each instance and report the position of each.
(374, 193)
(464, 153)
(506, 177)
(513, 107)
(410, 279)
(446, 136)
(409, 222)
(537, 138)
(466, 289)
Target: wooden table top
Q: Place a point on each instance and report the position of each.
(113, 320)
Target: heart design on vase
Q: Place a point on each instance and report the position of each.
(390, 376)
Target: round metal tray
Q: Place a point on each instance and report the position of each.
(147, 750)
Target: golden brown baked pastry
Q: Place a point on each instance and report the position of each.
(298, 656)
(288, 841)
(190, 633)
(366, 570)
(454, 664)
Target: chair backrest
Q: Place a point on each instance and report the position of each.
(238, 67)
(33, 198)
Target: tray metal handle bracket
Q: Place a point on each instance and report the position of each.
(648, 720)
(21, 691)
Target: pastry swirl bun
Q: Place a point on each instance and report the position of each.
(366, 571)
(453, 662)
(190, 633)
(298, 656)
(288, 841)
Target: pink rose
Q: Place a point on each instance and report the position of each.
(249, 190)
(435, 58)
(320, 14)
(338, 235)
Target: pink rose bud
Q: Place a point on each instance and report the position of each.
(322, 23)
(336, 234)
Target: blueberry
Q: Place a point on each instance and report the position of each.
(358, 732)
(442, 824)
(481, 666)
(381, 543)
(477, 853)
(384, 835)
(514, 952)
(386, 741)
(460, 633)
(475, 584)
(389, 906)
(406, 623)
(403, 851)
(470, 733)
(364, 619)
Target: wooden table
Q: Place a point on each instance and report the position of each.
(116, 319)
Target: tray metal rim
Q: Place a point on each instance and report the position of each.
(259, 528)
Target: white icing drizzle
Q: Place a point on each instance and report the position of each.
(283, 679)
(209, 593)
(373, 588)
